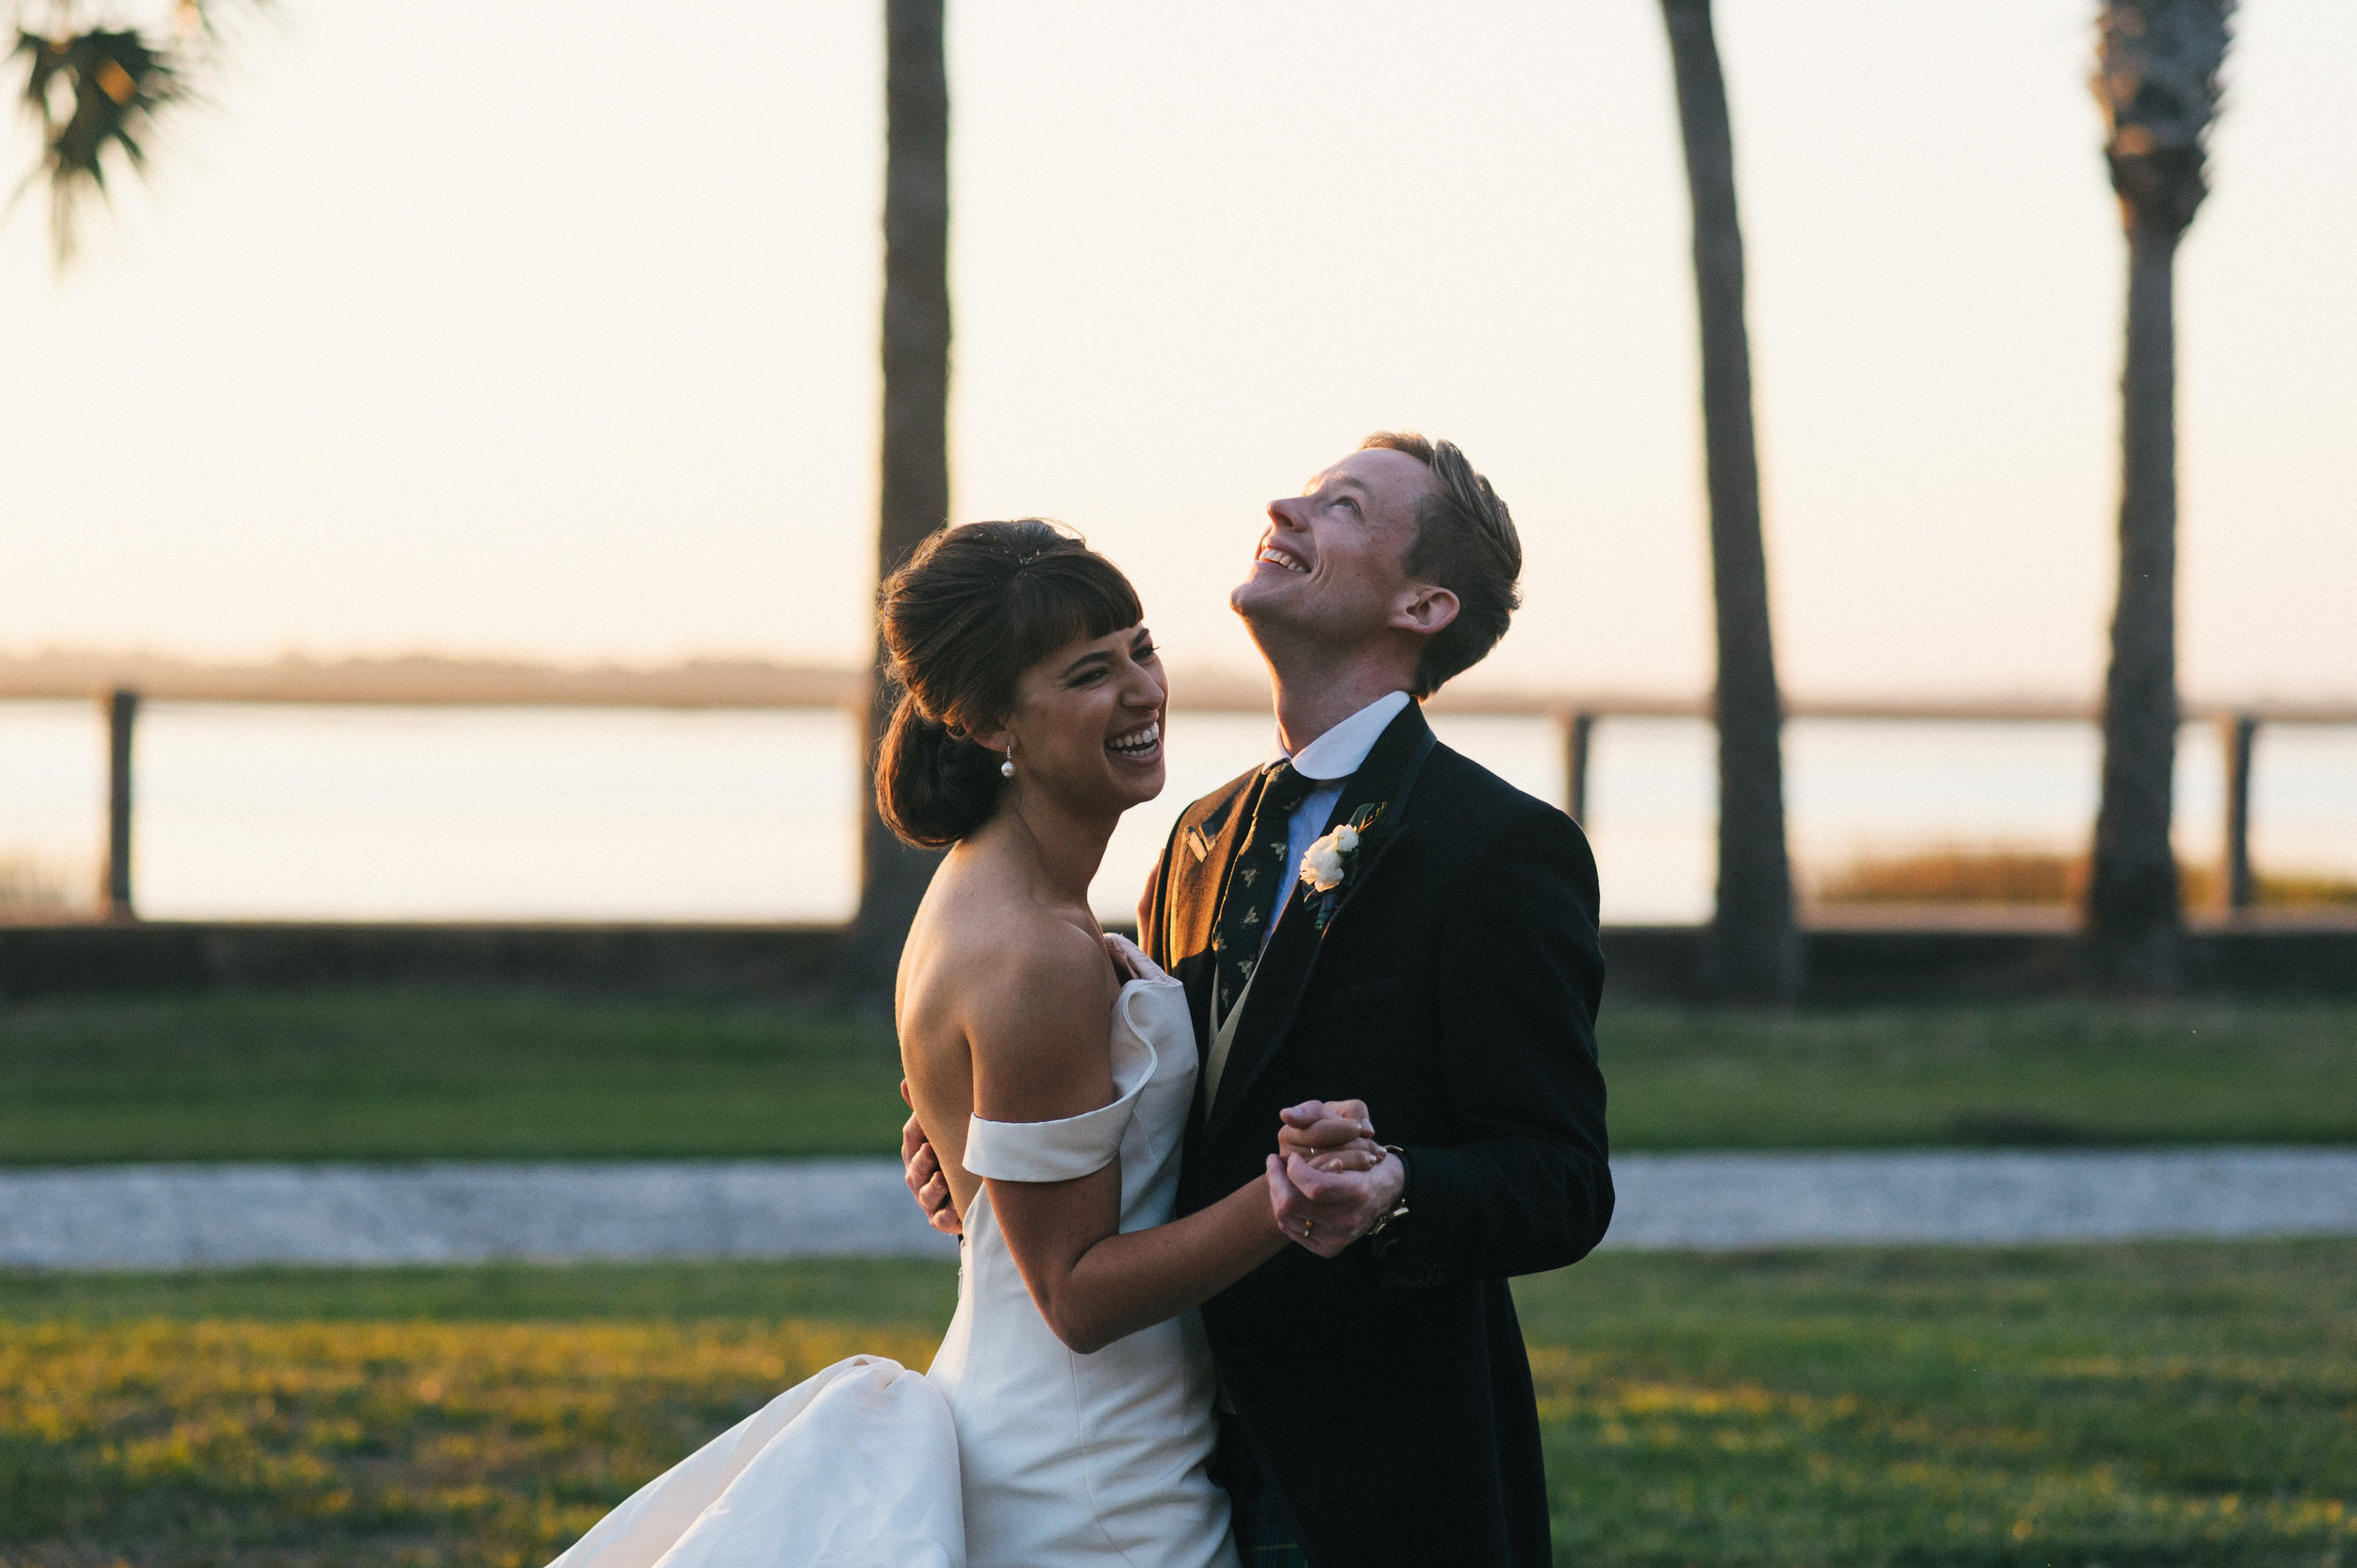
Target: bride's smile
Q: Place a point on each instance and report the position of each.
(1086, 728)
(1142, 745)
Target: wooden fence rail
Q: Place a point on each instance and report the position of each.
(122, 685)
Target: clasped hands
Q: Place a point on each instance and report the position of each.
(1329, 1181)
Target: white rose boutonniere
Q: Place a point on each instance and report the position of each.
(1322, 866)
(1328, 864)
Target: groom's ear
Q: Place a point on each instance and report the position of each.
(1424, 609)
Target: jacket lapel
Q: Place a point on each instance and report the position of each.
(1385, 779)
(1198, 872)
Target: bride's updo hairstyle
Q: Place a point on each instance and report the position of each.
(974, 608)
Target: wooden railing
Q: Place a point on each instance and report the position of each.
(121, 683)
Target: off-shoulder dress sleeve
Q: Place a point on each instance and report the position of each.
(1069, 1149)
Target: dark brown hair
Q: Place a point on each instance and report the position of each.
(974, 608)
(1466, 543)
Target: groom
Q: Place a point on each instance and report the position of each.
(1442, 966)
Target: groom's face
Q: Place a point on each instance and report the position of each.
(1328, 562)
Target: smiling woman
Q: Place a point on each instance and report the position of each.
(1051, 1070)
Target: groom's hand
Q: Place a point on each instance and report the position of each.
(921, 1169)
(1327, 1211)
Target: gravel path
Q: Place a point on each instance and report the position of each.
(203, 1216)
(1722, 1201)
(196, 1216)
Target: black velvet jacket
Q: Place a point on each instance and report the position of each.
(1453, 988)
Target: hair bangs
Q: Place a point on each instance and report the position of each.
(1057, 601)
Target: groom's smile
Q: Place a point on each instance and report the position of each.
(1276, 555)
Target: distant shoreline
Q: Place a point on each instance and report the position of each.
(433, 680)
(429, 680)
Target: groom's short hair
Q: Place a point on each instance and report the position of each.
(1465, 542)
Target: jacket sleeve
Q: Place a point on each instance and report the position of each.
(1528, 1187)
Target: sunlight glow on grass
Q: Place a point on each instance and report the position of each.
(2186, 1403)
(368, 1442)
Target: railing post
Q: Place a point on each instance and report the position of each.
(2237, 730)
(114, 893)
(1579, 729)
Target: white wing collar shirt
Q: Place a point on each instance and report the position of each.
(1329, 761)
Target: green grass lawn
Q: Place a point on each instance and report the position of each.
(2062, 1071)
(424, 1074)
(2166, 1403)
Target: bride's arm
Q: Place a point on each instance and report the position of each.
(1041, 1041)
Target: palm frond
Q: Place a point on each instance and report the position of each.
(92, 96)
(2156, 80)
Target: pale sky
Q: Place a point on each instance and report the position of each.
(547, 329)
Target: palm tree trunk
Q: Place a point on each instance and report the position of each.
(2132, 921)
(1755, 949)
(915, 488)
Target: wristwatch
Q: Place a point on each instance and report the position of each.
(1399, 1210)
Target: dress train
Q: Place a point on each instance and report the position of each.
(854, 1467)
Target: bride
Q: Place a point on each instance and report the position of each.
(1068, 1419)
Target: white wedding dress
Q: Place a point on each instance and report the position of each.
(1013, 1451)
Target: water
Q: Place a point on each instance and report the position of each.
(260, 812)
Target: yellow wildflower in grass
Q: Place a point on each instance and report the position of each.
(361, 1443)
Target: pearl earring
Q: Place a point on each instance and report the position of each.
(1007, 767)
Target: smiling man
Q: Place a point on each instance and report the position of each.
(1438, 962)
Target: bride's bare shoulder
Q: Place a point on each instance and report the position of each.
(1021, 958)
(1033, 996)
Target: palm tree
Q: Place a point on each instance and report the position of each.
(915, 493)
(93, 95)
(1755, 950)
(2157, 82)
